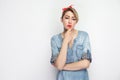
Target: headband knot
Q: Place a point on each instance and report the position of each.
(67, 7)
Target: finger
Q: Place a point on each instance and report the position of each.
(70, 29)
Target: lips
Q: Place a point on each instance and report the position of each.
(69, 26)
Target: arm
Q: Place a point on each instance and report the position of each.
(82, 64)
(61, 59)
(85, 59)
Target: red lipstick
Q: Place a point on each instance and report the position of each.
(69, 26)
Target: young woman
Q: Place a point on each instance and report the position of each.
(71, 53)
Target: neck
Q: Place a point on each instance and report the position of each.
(73, 31)
(65, 30)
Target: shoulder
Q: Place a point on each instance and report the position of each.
(82, 36)
(55, 37)
(82, 33)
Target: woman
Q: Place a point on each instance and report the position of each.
(71, 53)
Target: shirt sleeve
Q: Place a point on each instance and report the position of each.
(87, 49)
(54, 50)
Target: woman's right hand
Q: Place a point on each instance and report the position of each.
(68, 35)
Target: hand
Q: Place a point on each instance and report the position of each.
(68, 35)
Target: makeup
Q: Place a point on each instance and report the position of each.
(69, 26)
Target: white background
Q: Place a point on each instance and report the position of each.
(26, 27)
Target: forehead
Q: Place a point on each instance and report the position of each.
(69, 13)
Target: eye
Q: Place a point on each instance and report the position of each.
(74, 19)
(66, 17)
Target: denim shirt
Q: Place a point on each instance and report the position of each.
(80, 50)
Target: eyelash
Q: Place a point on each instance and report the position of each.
(74, 19)
(68, 18)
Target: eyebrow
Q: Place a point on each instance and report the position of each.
(69, 16)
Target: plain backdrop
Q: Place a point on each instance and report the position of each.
(26, 27)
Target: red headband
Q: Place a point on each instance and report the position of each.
(67, 8)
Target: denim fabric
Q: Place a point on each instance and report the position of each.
(80, 50)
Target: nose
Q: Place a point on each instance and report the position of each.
(69, 21)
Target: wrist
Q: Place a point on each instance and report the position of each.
(65, 41)
(64, 68)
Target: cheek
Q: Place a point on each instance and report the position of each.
(65, 21)
(74, 23)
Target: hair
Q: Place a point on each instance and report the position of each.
(73, 11)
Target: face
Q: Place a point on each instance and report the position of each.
(69, 20)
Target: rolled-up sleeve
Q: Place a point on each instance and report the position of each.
(54, 50)
(87, 49)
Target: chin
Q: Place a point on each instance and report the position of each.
(67, 28)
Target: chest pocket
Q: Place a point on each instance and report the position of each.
(79, 51)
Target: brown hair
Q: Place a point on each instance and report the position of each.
(73, 11)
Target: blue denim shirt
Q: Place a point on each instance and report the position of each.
(80, 50)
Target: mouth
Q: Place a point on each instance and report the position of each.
(69, 26)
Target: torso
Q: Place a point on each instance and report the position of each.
(74, 54)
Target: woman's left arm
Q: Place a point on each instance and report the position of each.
(82, 64)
